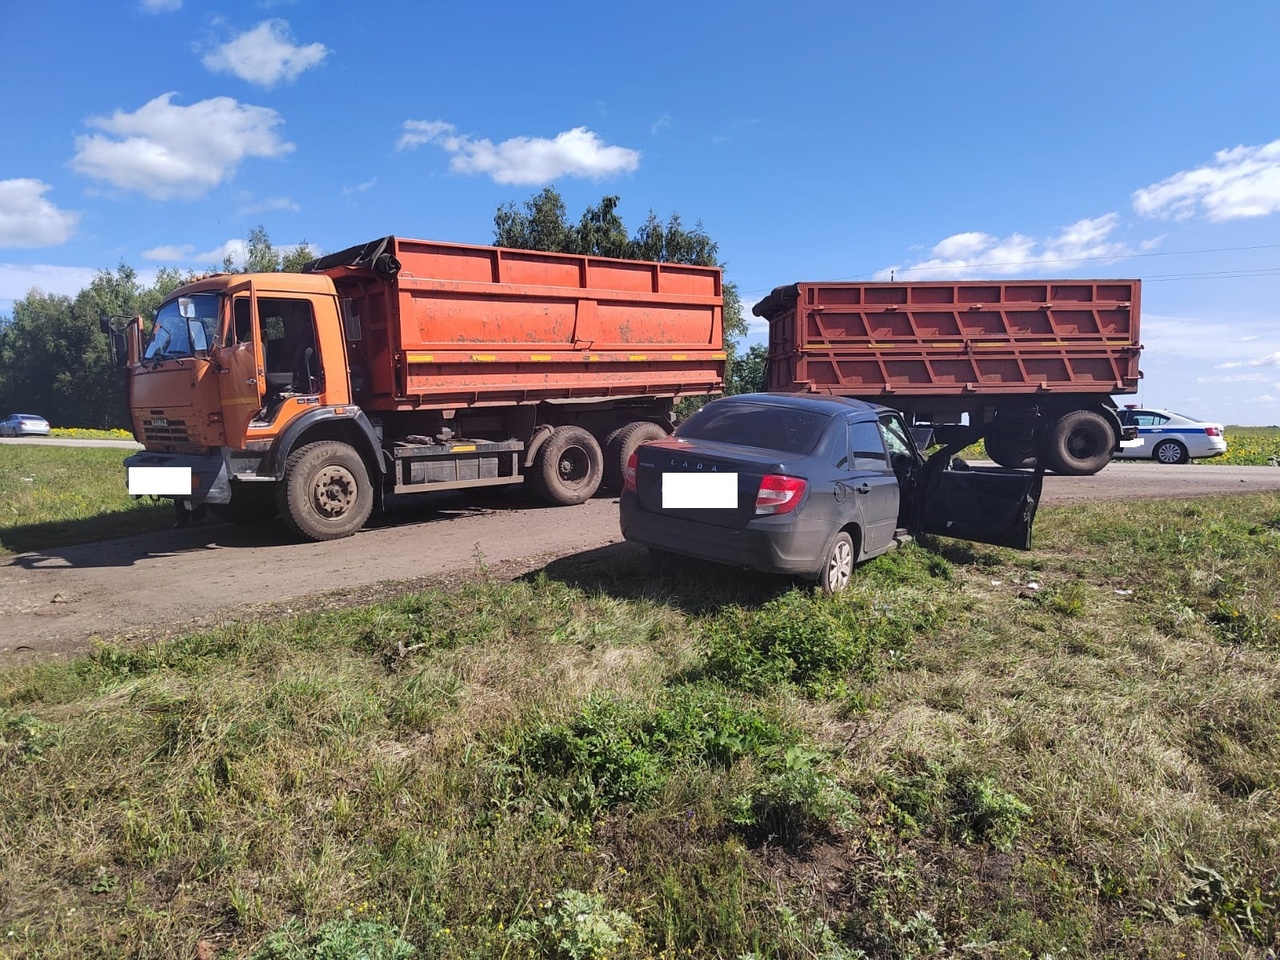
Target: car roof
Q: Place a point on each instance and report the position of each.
(828, 405)
(24, 416)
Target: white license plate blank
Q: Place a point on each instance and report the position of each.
(160, 481)
(699, 491)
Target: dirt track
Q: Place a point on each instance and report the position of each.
(56, 601)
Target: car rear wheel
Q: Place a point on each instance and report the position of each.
(837, 570)
(1169, 451)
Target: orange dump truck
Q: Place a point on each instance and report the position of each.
(407, 366)
(1005, 354)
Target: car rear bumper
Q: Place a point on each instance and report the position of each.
(196, 479)
(786, 544)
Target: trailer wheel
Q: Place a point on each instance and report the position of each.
(1004, 447)
(325, 494)
(1080, 444)
(619, 446)
(568, 467)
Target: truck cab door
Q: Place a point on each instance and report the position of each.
(985, 505)
(240, 365)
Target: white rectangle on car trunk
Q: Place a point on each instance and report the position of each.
(699, 491)
(159, 481)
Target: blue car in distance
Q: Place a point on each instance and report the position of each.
(809, 486)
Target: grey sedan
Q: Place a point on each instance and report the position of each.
(24, 425)
(809, 486)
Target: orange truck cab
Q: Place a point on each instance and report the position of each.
(407, 366)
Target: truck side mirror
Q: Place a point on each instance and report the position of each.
(119, 348)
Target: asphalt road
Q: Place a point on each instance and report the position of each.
(55, 601)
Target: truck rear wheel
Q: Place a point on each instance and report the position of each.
(1006, 449)
(568, 467)
(619, 447)
(325, 494)
(1080, 444)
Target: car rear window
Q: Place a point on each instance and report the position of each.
(756, 425)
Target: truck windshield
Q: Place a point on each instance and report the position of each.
(170, 337)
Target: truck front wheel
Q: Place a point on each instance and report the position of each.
(568, 467)
(325, 494)
(1080, 444)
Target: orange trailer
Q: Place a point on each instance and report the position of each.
(406, 366)
(994, 352)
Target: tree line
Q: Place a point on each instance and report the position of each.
(55, 361)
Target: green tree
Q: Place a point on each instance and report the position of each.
(747, 375)
(262, 256)
(541, 225)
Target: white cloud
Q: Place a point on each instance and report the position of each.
(180, 253)
(1269, 360)
(662, 123)
(523, 160)
(267, 205)
(974, 253)
(19, 279)
(266, 55)
(1235, 378)
(360, 187)
(27, 219)
(165, 151)
(1241, 182)
(161, 6)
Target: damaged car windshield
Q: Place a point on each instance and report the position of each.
(171, 337)
(769, 426)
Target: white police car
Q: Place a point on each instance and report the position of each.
(1168, 437)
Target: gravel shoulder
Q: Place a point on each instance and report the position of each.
(56, 602)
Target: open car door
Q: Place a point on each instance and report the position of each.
(985, 505)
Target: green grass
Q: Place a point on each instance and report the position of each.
(53, 496)
(1073, 751)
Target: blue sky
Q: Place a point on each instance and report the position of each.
(813, 141)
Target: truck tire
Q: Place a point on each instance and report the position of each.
(619, 446)
(1006, 449)
(1169, 451)
(1080, 444)
(568, 467)
(325, 493)
(251, 503)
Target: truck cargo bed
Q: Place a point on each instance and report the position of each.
(461, 326)
(890, 341)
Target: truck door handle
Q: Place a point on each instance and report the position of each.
(252, 381)
(865, 488)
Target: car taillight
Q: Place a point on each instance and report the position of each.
(1213, 431)
(629, 474)
(779, 494)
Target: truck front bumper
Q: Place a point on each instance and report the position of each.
(196, 479)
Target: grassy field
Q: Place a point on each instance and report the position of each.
(52, 496)
(1072, 752)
